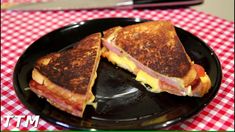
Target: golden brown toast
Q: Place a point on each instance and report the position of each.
(156, 40)
(65, 78)
(154, 46)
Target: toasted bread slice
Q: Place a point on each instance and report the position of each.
(153, 52)
(66, 78)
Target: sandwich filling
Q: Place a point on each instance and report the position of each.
(157, 82)
(143, 73)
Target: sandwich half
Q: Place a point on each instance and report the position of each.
(66, 78)
(153, 52)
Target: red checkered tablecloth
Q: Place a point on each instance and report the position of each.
(20, 29)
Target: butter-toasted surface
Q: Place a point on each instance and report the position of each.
(156, 45)
(73, 69)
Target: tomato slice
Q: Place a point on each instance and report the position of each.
(199, 69)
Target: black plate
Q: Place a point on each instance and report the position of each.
(123, 103)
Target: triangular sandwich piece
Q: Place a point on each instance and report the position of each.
(66, 78)
(153, 52)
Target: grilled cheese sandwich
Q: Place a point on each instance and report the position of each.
(153, 52)
(66, 78)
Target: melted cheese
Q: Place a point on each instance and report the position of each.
(204, 79)
(145, 78)
(189, 91)
(92, 97)
(93, 104)
(141, 76)
(90, 102)
(122, 61)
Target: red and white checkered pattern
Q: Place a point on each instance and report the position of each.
(20, 29)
